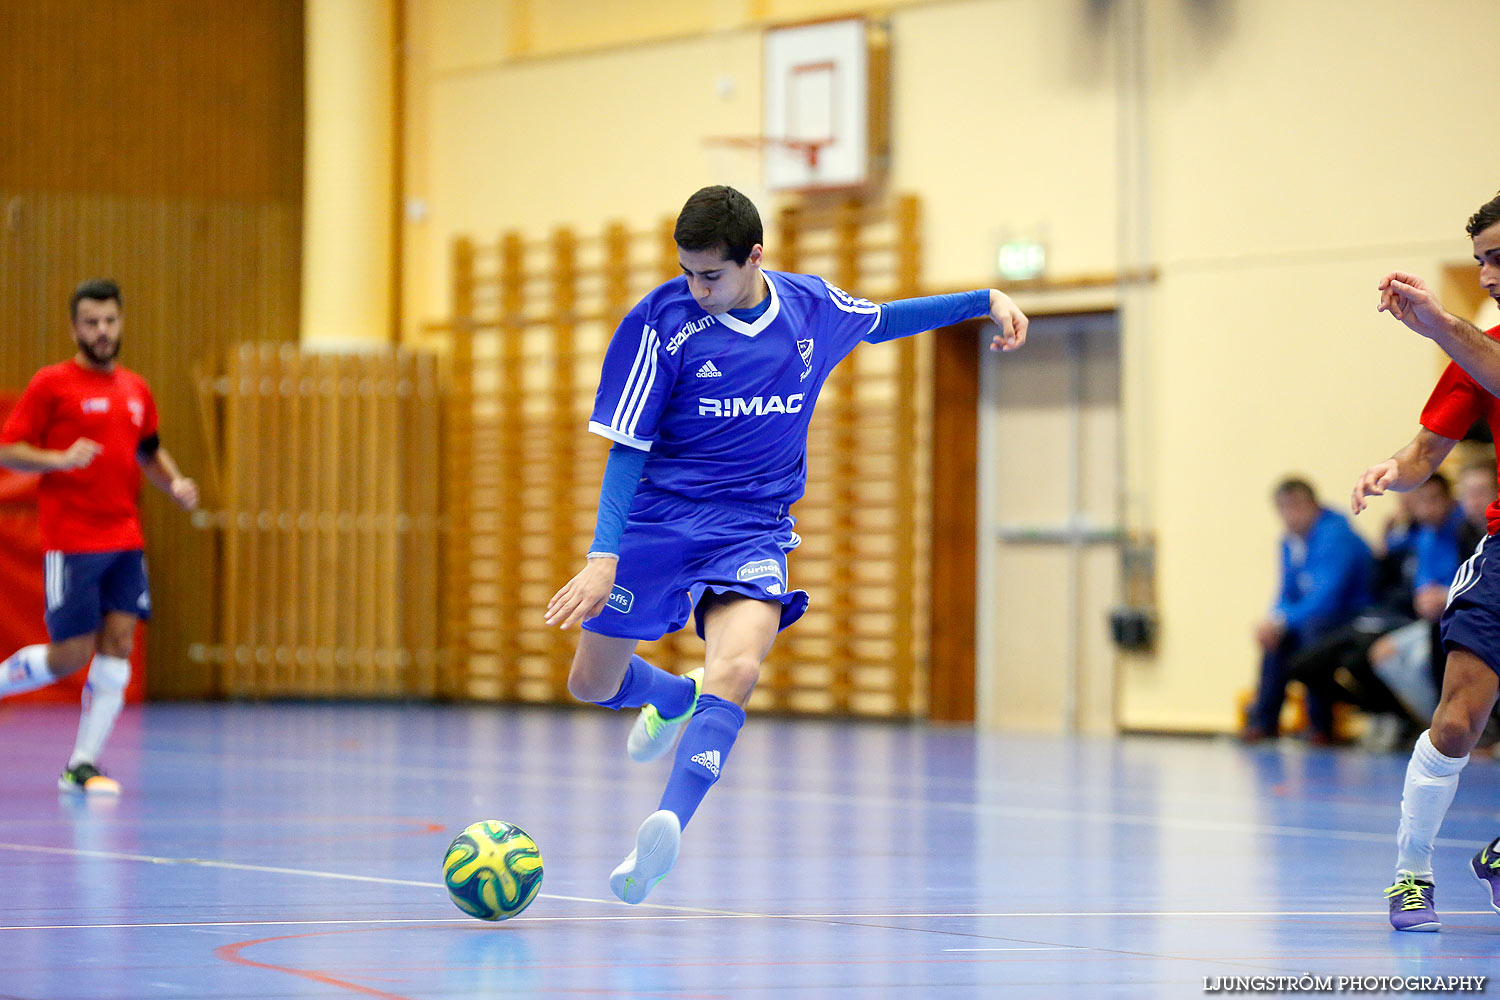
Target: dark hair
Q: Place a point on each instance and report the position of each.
(1487, 216)
(1294, 484)
(97, 289)
(719, 218)
(1441, 482)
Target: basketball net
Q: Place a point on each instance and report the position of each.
(740, 162)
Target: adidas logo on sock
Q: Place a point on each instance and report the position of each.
(709, 371)
(709, 759)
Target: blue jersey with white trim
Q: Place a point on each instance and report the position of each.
(723, 405)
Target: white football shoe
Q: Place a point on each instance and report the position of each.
(656, 846)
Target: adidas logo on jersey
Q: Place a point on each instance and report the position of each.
(710, 761)
(709, 371)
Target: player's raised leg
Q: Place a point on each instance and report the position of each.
(1469, 692)
(607, 672)
(738, 632)
(38, 665)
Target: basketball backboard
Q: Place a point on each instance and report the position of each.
(817, 106)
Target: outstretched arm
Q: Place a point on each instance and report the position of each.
(1407, 298)
(1405, 470)
(905, 317)
(583, 597)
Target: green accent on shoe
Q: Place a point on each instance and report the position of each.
(654, 720)
(652, 735)
(89, 779)
(1412, 890)
(1411, 904)
(655, 853)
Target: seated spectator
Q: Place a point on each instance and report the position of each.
(1402, 660)
(1380, 662)
(1475, 491)
(1396, 562)
(1326, 576)
(1444, 538)
(1410, 660)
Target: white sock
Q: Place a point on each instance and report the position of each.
(1431, 780)
(103, 697)
(25, 670)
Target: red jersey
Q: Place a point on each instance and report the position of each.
(1455, 404)
(93, 509)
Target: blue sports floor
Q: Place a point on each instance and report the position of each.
(263, 852)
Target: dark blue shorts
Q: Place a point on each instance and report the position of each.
(83, 586)
(1472, 619)
(674, 550)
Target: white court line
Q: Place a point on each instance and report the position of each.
(339, 876)
(1195, 824)
(687, 912)
(711, 915)
(392, 921)
(1058, 948)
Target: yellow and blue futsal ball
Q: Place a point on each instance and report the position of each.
(493, 870)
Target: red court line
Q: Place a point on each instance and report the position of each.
(231, 953)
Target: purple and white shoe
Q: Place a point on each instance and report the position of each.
(1412, 907)
(1486, 868)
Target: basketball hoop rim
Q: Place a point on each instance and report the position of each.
(809, 149)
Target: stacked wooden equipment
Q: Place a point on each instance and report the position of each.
(325, 497)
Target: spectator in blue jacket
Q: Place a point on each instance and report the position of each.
(1326, 576)
(1410, 597)
(1444, 540)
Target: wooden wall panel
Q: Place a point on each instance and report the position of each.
(159, 144)
(171, 97)
(329, 524)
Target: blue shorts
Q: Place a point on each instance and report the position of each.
(674, 550)
(1472, 619)
(83, 586)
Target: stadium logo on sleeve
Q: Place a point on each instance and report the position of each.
(688, 329)
(621, 599)
(805, 348)
(759, 568)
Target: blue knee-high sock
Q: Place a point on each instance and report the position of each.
(705, 746)
(648, 685)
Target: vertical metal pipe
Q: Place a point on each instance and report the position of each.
(1075, 528)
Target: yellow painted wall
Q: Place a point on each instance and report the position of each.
(1272, 158)
(347, 203)
(1284, 182)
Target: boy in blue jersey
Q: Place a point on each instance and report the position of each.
(707, 390)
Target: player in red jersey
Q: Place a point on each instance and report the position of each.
(1467, 391)
(88, 426)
